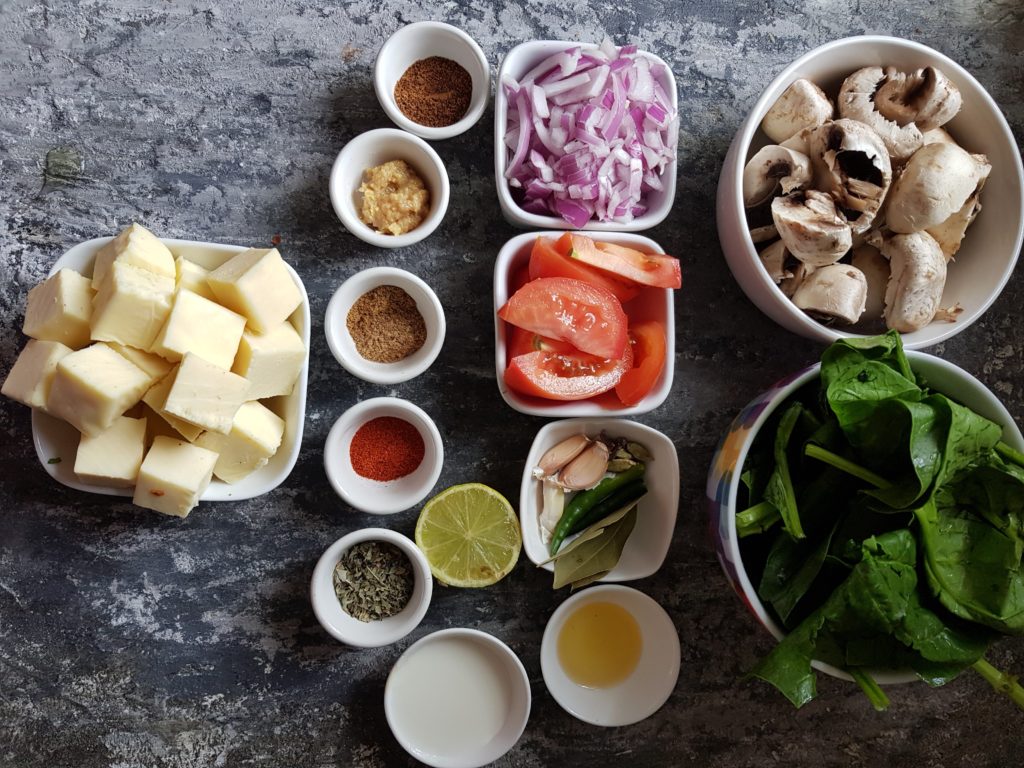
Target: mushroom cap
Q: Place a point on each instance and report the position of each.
(774, 166)
(774, 260)
(857, 102)
(813, 230)
(924, 97)
(800, 272)
(935, 184)
(916, 281)
(836, 292)
(763, 234)
(938, 136)
(870, 261)
(852, 163)
(950, 233)
(802, 105)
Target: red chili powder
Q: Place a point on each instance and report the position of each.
(386, 448)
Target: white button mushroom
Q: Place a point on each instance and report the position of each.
(917, 279)
(763, 234)
(800, 272)
(950, 233)
(868, 260)
(771, 168)
(935, 184)
(801, 105)
(836, 292)
(925, 97)
(813, 230)
(857, 102)
(774, 260)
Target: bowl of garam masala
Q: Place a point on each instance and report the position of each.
(371, 588)
(389, 188)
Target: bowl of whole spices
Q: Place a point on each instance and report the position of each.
(371, 588)
(383, 455)
(385, 325)
(432, 79)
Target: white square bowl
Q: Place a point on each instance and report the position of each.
(515, 256)
(648, 545)
(56, 439)
(517, 63)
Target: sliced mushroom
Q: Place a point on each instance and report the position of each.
(799, 141)
(811, 227)
(801, 105)
(774, 259)
(938, 136)
(773, 167)
(870, 261)
(925, 97)
(836, 292)
(800, 272)
(857, 102)
(935, 184)
(763, 234)
(854, 167)
(916, 281)
(950, 233)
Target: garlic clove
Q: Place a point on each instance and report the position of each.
(557, 457)
(587, 469)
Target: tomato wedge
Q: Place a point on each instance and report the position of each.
(520, 342)
(588, 317)
(655, 269)
(648, 342)
(551, 259)
(573, 376)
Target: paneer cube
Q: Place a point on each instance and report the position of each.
(137, 246)
(152, 364)
(31, 377)
(256, 283)
(59, 309)
(205, 395)
(192, 277)
(255, 436)
(156, 399)
(93, 386)
(173, 476)
(271, 361)
(199, 325)
(131, 306)
(114, 456)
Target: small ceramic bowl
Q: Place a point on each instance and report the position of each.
(991, 245)
(652, 304)
(642, 693)
(518, 62)
(369, 634)
(422, 40)
(648, 545)
(344, 348)
(373, 496)
(374, 148)
(724, 475)
(438, 716)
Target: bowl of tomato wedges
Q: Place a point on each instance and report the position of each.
(584, 327)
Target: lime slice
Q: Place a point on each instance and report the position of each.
(470, 535)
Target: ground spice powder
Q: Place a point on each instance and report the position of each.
(386, 448)
(434, 92)
(385, 325)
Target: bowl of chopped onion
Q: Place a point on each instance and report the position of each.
(585, 137)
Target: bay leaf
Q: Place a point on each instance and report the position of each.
(591, 532)
(595, 555)
(587, 581)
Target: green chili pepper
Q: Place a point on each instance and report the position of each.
(612, 503)
(586, 500)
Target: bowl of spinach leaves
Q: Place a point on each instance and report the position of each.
(869, 511)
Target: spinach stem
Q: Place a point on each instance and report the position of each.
(847, 466)
(756, 519)
(1003, 683)
(1010, 454)
(871, 689)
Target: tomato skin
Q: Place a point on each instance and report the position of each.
(655, 269)
(551, 259)
(649, 351)
(586, 316)
(556, 376)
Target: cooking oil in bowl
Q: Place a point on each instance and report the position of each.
(599, 644)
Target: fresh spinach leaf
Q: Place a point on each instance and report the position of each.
(780, 485)
(847, 354)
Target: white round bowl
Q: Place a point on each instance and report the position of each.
(373, 496)
(374, 148)
(642, 693)
(344, 348)
(433, 692)
(993, 242)
(422, 40)
(724, 475)
(372, 634)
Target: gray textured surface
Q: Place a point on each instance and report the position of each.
(127, 639)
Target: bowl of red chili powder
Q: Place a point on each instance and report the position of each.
(383, 455)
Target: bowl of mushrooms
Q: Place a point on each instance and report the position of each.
(875, 184)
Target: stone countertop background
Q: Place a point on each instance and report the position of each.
(129, 639)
